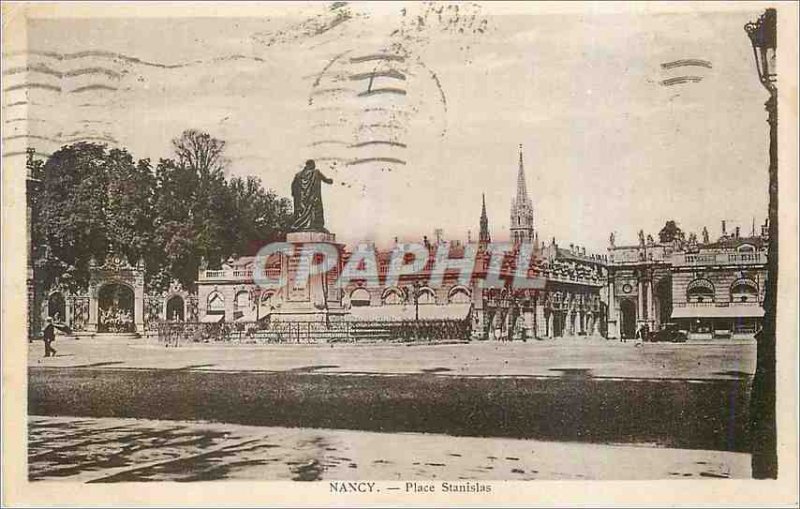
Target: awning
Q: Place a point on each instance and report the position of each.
(212, 318)
(735, 311)
(397, 313)
(250, 316)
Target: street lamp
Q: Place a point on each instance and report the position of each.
(763, 36)
(417, 287)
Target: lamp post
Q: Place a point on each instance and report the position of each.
(763, 35)
(416, 286)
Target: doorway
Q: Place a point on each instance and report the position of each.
(627, 311)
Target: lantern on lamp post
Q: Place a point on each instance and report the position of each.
(763, 36)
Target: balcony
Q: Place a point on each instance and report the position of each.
(235, 274)
(685, 259)
(714, 304)
(700, 310)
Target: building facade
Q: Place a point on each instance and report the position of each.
(710, 289)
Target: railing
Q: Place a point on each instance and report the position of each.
(183, 333)
(236, 274)
(719, 258)
(714, 304)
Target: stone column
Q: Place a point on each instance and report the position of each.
(138, 308)
(94, 314)
(550, 333)
(640, 302)
(68, 310)
(541, 322)
(650, 307)
(480, 312)
(229, 294)
(529, 321)
(612, 319)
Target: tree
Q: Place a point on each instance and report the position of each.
(93, 199)
(90, 199)
(259, 215)
(198, 150)
(129, 213)
(669, 233)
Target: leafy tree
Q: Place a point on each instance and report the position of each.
(198, 150)
(90, 199)
(259, 215)
(129, 213)
(174, 216)
(670, 232)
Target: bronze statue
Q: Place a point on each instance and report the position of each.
(307, 195)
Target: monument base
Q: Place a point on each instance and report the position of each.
(299, 237)
(319, 301)
(295, 314)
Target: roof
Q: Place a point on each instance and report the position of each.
(732, 311)
(397, 313)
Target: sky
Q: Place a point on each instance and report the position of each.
(612, 141)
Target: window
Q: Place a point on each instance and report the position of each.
(393, 296)
(241, 303)
(216, 304)
(426, 296)
(359, 297)
(744, 290)
(459, 296)
(700, 290)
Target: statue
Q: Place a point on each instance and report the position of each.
(611, 239)
(307, 195)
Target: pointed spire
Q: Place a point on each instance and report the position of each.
(483, 235)
(522, 188)
(522, 229)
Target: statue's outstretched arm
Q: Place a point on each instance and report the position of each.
(324, 178)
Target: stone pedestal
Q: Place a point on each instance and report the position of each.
(320, 299)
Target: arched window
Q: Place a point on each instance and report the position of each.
(175, 308)
(744, 290)
(746, 248)
(393, 296)
(359, 297)
(241, 303)
(56, 307)
(459, 295)
(426, 296)
(266, 298)
(216, 304)
(700, 290)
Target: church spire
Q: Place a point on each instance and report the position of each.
(522, 188)
(522, 229)
(483, 236)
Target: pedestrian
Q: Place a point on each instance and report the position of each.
(49, 335)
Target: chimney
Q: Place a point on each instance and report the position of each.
(724, 233)
(737, 232)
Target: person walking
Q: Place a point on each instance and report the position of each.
(49, 335)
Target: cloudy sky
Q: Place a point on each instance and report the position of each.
(416, 109)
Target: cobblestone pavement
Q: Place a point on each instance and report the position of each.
(126, 450)
(593, 357)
